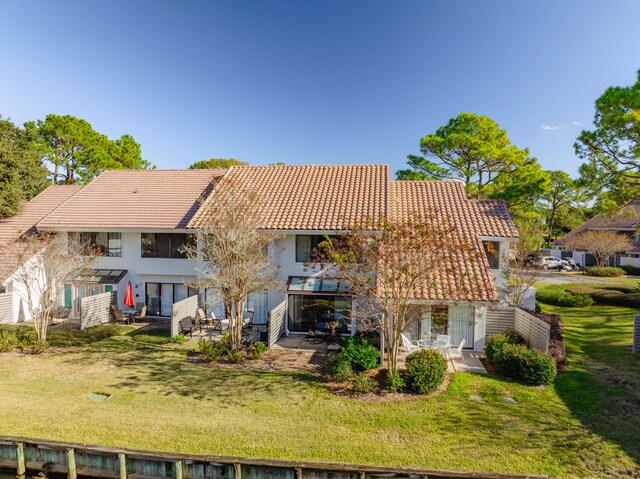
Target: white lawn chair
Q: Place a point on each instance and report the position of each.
(445, 338)
(407, 344)
(219, 324)
(458, 351)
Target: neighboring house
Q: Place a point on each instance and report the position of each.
(141, 219)
(626, 222)
(12, 298)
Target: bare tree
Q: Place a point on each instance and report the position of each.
(396, 270)
(519, 271)
(602, 244)
(233, 249)
(45, 263)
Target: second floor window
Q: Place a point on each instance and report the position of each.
(492, 248)
(166, 245)
(101, 244)
(306, 246)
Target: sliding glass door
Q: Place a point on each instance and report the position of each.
(306, 310)
(161, 296)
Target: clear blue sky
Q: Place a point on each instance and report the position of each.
(315, 82)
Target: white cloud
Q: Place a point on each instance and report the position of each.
(560, 127)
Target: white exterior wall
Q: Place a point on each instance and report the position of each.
(630, 262)
(144, 270)
(19, 291)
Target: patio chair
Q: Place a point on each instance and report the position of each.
(219, 324)
(187, 326)
(458, 351)
(201, 318)
(445, 338)
(142, 315)
(407, 344)
(247, 320)
(119, 315)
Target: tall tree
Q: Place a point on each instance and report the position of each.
(77, 153)
(612, 148)
(558, 200)
(602, 244)
(474, 148)
(22, 174)
(216, 164)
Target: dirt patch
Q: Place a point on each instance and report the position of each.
(276, 360)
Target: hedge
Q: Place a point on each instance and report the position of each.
(518, 361)
(615, 296)
(426, 370)
(631, 270)
(559, 296)
(603, 271)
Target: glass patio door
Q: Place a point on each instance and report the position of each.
(461, 324)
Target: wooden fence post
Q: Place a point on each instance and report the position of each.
(122, 465)
(71, 464)
(178, 466)
(21, 469)
(237, 470)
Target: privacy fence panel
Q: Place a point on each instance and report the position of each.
(277, 318)
(6, 308)
(535, 330)
(95, 310)
(499, 319)
(183, 309)
(636, 333)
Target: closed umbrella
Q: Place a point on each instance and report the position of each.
(128, 295)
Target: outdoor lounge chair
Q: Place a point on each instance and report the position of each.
(407, 344)
(187, 326)
(201, 318)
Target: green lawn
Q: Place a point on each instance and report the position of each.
(583, 426)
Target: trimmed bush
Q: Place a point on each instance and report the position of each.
(514, 337)
(615, 296)
(360, 352)
(559, 296)
(38, 347)
(256, 350)
(516, 360)
(603, 271)
(631, 270)
(425, 371)
(363, 383)
(339, 367)
(394, 382)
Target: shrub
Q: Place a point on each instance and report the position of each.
(213, 350)
(236, 356)
(603, 271)
(493, 347)
(360, 352)
(425, 371)
(179, 339)
(8, 341)
(536, 367)
(517, 361)
(363, 383)
(514, 337)
(561, 297)
(339, 367)
(394, 381)
(256, 350)
(631, 270)
(38, 347)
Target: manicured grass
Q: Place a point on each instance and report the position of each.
(583, 426)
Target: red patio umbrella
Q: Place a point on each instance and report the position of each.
(128, 295)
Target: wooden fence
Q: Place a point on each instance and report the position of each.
(277, 319)
(636, 333)
(534, 330)
(183, 309)
(6, 308)
(96, 309)
(34, 455)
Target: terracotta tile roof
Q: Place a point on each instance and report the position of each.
(32, 212)
(492, 218)
(312, 197)
(627, 219)
(137, 199)
(470, 278)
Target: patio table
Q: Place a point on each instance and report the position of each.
(130, 313)
(433, 344)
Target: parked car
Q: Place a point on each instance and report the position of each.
(549, 262)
